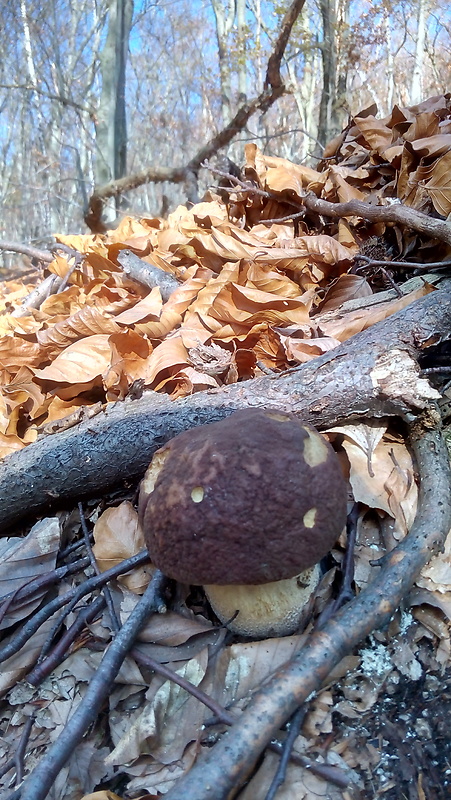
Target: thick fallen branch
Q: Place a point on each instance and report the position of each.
(227, 765)
(373, 374)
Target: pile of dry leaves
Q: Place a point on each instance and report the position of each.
(261, 283)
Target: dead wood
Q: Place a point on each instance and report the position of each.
(226, 766)
(38, 783)
(273, 89)
(147, 274)
(397, 214)
(375, 373)
(27, 250)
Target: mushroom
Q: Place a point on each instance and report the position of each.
(246, 507)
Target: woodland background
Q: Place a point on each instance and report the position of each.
(94, 90)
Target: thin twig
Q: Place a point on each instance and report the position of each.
(19, 755)
(345, 593)
(27, 590)
(106, 589)
(38, 784)
(247, 186)
(45, 665)
(295, 725)
(73, 595)
(371, 262)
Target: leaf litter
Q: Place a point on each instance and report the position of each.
(252, 296)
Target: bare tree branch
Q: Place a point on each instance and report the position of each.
(27, 250)
(179, 174)
(398, 213)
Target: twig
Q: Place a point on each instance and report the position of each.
(45, 665)
(325, 771)
(19, 755)
(227, 764)
(345, 593)
(27, 250)
(295, 725)
(371, 262)
(147, 274)
(47, 287)
(247, 186)
(73, 595)
(38, 784)
(398, 214)
(106, 589)
(27, 590)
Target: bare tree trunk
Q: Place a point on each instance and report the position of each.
(416, 87)
(390, 74)
(111, 133)
(304, 89)
(224, 22)
(242, 71)
(340, 105)
(327, 124)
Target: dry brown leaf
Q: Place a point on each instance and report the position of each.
(169, 721)
(23, 559)
(303, 350)
(81, 362)
(16, 352)
(436, 576)
(377, 135)
(117, 536)
(10, 443)
(90, 320)
(344, 326)
(346, 287)
(381, 472)
(130, 355)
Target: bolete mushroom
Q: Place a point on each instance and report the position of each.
(246, 507)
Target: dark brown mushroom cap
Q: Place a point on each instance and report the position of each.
(257, 497)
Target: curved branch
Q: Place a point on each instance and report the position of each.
(229, 763)
(27, 250)
(179, 174)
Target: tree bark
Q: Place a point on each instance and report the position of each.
(375, 373)
(111, 130)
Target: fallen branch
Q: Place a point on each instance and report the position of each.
(375, 373)
(397, 214)
(230, 762)
(27, 250)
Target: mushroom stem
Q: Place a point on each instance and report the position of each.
(268, 609)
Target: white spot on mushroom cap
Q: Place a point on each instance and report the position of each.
(197, 494)
(309, 518)
(315, 449)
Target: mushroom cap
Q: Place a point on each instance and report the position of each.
(255, 498)
(270, 609)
